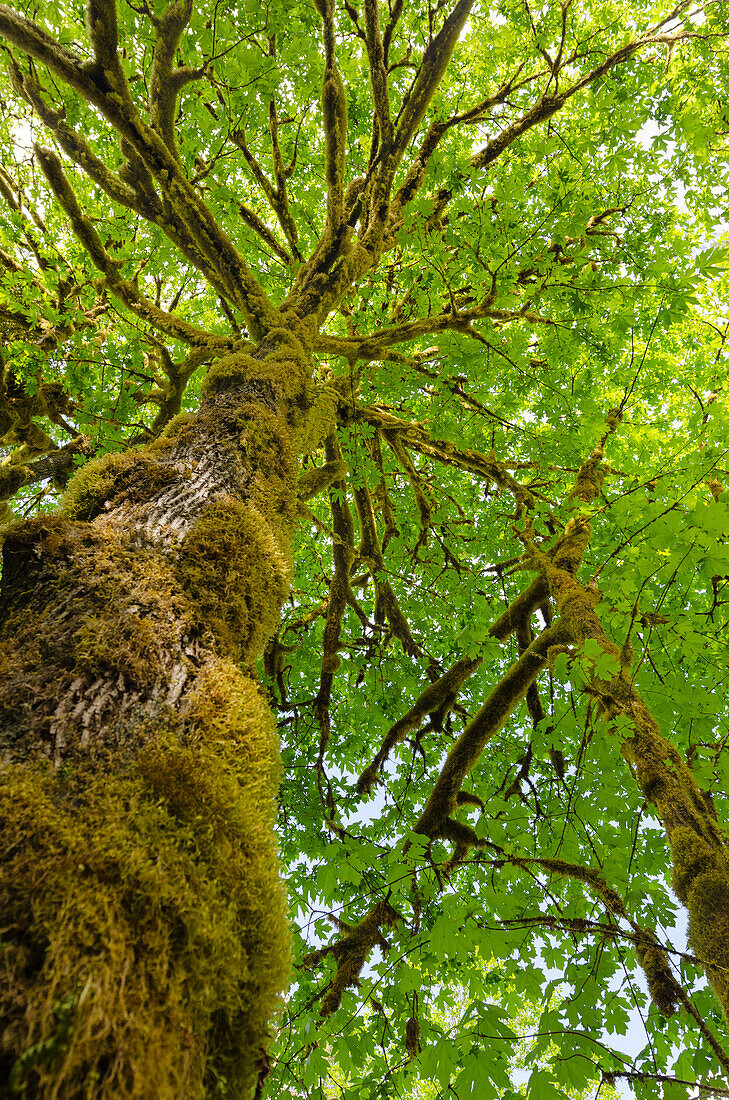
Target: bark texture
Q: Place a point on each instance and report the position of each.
(143, 916)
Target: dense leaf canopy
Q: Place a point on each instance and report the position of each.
(529, 354)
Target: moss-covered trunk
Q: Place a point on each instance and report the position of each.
(144, 935)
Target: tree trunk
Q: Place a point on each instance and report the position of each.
(143, 920)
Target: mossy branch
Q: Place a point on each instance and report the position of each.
(699, 851)
(352, 950)
(439, 697)
(135, 197)
(259, 227)
(435, 61)
(124, 289)
(414, 436)
(503, 699)
(334, 119)
(166, 79)
(57, 465)
(378, 74)
(396, 11)
(416, 173)
(62, 62)
(191, 221)
(103, 29)
(133, 187)
(545, 107)
(376, 345)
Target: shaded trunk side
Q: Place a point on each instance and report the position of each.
(142, 915)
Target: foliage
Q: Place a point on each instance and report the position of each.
(527, 372)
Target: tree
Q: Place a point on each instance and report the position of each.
(431, 304)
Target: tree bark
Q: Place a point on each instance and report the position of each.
(142, 916)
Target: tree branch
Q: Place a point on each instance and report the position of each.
(109, 96)
(276, 197)
(124, 289)
(334, 118)
(166, 80)
(507, 694)
(442, 694)
(378, 74)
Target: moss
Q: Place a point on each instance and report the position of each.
(12, 478)
(94, 484)
(334, 112)
(662, 986)
(271, 455)
(236, 576)
(150, 907)
(176, 425)
(145, 940)
(127, 645)
(317, 425)
(231, 370)
(691, 856)
(701, 882)
(709, 929)
(133, 474)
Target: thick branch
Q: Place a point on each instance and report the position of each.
(378, 73)
(507, 694)
(103, 29)
(414, 436)
(134, 196)
(442, 694)
(56, 466)
(374, 346)
(416, 173)
(434, 65)
(166, 79)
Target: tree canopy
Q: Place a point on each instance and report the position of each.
(499, 672)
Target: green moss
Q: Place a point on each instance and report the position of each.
(148, 903)
(236, 575)
(231, 370)
(709, 929)
(691, 857)
(701, 882)
(135, 475)
(145, 941)
(94, 484)
(126, 645)
(662, 986)
(176, 425)
(12, 478)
